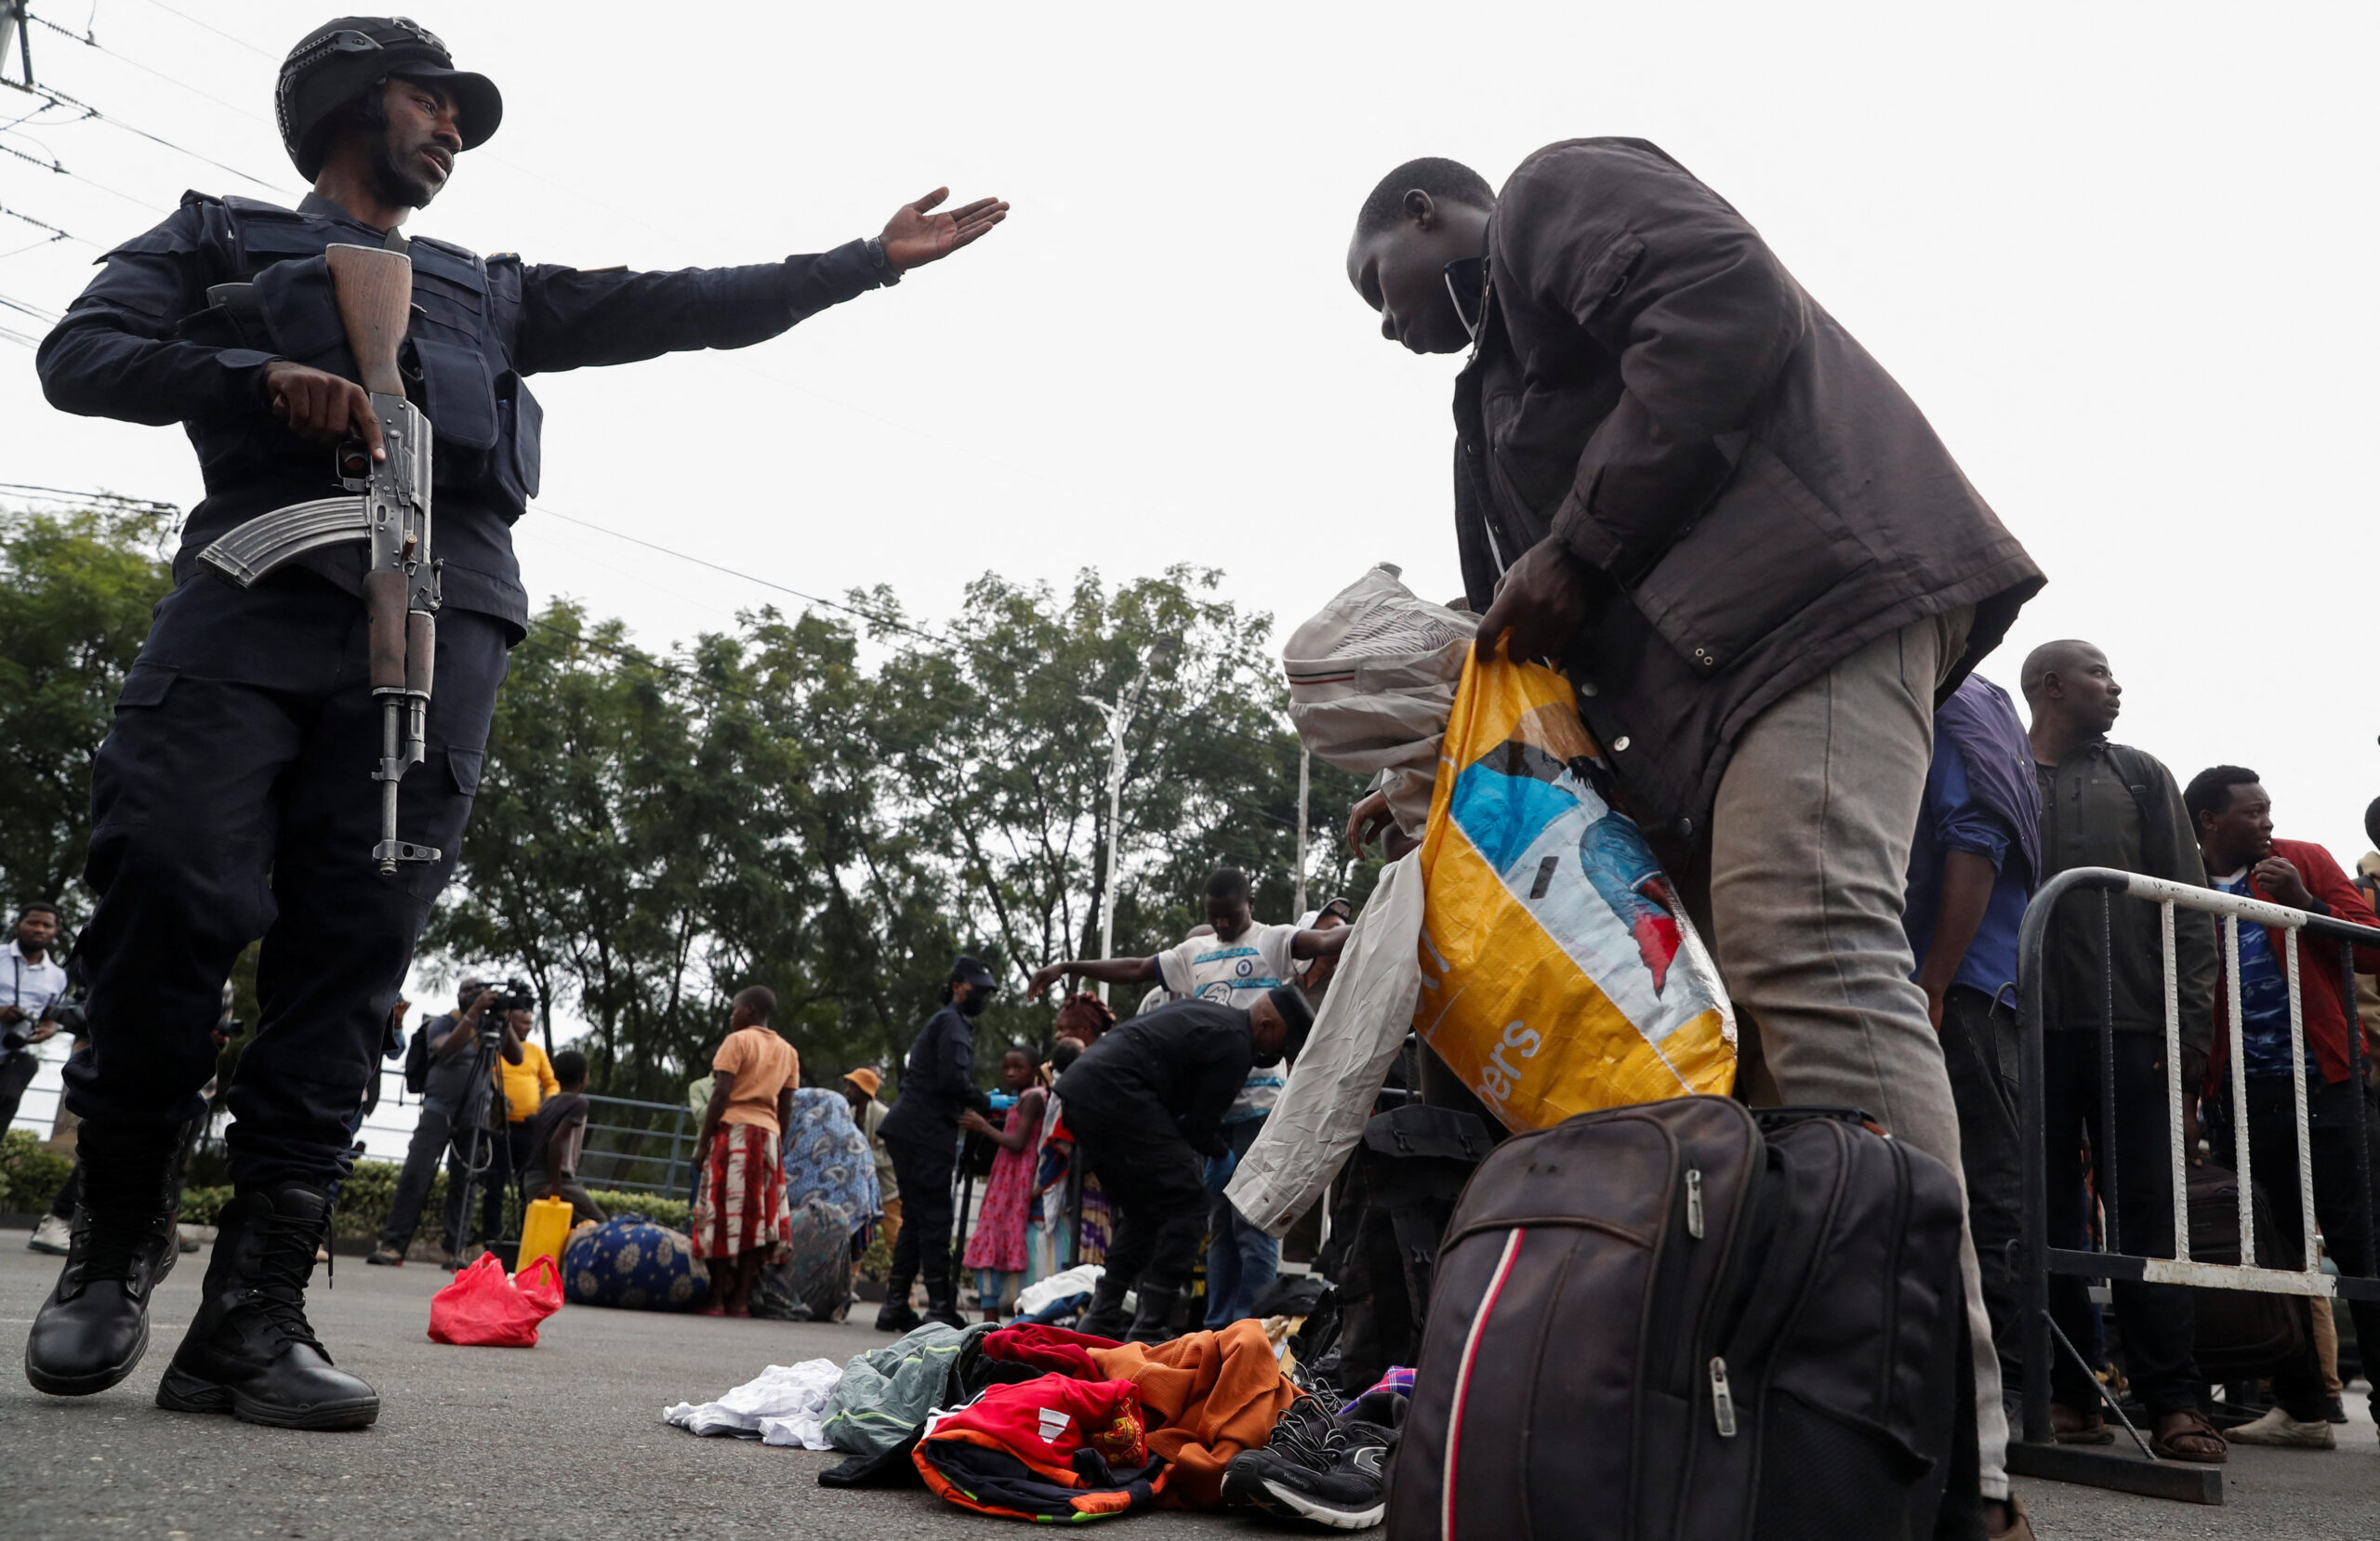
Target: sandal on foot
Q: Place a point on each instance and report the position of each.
(2068, 1426)
(2196, 1440)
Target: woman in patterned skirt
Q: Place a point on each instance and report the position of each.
(997, 1250)
(741, 1218)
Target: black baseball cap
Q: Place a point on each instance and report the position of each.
(972, 971)
(1297, 1014)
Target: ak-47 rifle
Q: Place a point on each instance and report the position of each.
(389, 507)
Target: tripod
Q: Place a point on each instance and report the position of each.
(478, 1154)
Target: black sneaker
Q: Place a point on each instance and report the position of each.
(1325, 1470)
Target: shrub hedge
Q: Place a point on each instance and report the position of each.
(29, 1174)
(370, 1190)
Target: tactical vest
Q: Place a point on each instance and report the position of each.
(273, 293)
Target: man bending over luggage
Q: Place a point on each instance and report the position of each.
(1146, 1105)
(1678, 476)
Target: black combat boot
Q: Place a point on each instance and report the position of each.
(898, 1316)
(250, 1351)
(1105, 1316)
(942, 1305)
(1154, 1322)
(94, 1327)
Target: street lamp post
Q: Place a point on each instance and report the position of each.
(1118, 718)
(1305, 765)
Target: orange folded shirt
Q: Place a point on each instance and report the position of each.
(1208, 1396)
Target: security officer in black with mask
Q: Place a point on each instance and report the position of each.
(232, 798)
(937, 1085)
(1146, 1106)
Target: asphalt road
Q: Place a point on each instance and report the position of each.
(565, 1440)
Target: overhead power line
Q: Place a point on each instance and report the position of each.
(54, 164)
(52, 94)
(88, 41)
(206, 26)
(70, 495)
(36, 311)
(892, 623)
(55, 234)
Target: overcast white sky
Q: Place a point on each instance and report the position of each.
(2120, 253)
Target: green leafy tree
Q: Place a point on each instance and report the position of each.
(76, 595)
(761, 807)
(1005, 763)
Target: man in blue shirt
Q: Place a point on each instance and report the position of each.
(1972, 870)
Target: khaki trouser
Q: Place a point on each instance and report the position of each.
(1810, 838)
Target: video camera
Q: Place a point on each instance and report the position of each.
(67, 1012)
(511, 996)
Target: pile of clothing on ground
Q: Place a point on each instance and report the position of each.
(1035, 1422)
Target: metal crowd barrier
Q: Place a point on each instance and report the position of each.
(614, 1154)
(2037, 1453)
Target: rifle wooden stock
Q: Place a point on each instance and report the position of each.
(374, 290)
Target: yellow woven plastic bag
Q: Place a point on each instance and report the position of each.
(1559, 972)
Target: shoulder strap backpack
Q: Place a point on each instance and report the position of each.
(1676, 1320)
(417, 1060)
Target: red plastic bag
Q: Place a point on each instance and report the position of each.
(540, 1285)
(482, 1305)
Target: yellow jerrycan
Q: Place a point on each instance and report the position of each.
(544, 1228)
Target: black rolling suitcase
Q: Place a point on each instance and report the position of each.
(1676, 1319)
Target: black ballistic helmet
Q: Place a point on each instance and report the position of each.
(339, 60)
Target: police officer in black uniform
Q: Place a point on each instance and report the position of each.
(233, 797)
(1145, 1105)
(937, 1085)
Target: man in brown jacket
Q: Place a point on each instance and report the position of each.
(1678, 476)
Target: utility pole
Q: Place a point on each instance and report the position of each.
(1306, 764)
(13, 30)
(1119, 721)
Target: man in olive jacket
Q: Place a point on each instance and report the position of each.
(2110, 805)
(1678, 476)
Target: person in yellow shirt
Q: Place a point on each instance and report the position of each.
(526, 1085)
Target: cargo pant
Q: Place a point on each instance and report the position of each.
(232, 800)
(1810, 838)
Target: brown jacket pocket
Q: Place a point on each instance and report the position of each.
(1762, 550)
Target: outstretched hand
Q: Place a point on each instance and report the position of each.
(916, 235)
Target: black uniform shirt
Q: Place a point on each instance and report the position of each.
(938, 1084)
(143, 343)
(1189, 1059)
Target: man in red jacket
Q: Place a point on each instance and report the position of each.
(2232, 815)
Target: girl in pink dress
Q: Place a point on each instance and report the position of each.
(997, 1250)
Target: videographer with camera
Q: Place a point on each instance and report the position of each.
(441, 1068)
(34, 983)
